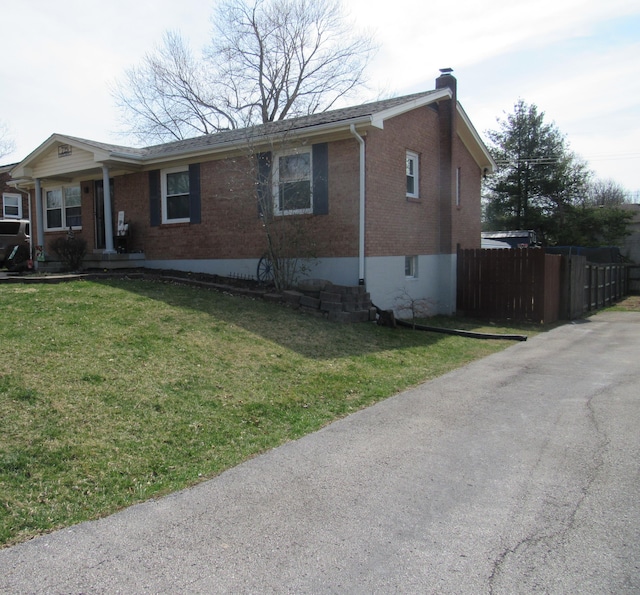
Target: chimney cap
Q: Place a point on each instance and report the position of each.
(446, 70)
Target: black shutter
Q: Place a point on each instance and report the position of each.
(154, 198)
(194, 193)
(264, 182)
(321, 179)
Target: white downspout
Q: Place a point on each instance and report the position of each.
(361, 243)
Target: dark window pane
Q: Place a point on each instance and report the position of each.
(411, 185)
(295, 196)
(178, 207)
(74, 217)
(9, 227)
(54, 218)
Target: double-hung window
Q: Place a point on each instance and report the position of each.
(413, 179)
(175, 195)
(63, 207)
(11, 206)
(292, 183)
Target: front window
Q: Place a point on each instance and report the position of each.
(11, 206)
(175, 195)
(63, 206)
(412, 166)
(292, 184)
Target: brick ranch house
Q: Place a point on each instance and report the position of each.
(384, 193)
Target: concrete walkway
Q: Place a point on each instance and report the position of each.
(516, 474)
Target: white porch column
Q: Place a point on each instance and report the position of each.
(108, 219)
(39, 222)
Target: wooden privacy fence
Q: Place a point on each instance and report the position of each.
(521, 284)
(590, 286)
(530, 286)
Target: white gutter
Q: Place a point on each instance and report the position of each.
(258, 142)
(361, 238)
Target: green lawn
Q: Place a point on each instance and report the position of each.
(117, 391)
(631, 303)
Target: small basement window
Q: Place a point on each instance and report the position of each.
(411, 267)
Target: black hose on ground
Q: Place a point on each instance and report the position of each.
(387, 318)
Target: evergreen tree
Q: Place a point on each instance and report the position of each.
(538, 178)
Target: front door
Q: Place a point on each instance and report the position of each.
(99, 212)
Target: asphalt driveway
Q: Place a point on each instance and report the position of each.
(519, 473)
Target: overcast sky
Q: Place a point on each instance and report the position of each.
(577, 60)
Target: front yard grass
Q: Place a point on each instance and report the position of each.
(114, 392)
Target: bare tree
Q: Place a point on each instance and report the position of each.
(169, 96)
(289, 252)
(605, 193)
(406, 304)
(268, 60)
(7, 144)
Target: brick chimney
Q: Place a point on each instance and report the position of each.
(447, 123)
(446, 79)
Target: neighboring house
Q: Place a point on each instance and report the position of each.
(385, 193)
(15, 204)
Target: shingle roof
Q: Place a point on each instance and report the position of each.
(255, 133)
(373, 113)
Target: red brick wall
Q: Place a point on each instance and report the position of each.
(230, 226)
(466, 218)
(397, 225)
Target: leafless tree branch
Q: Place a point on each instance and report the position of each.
(268, 60)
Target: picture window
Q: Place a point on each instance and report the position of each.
(63, 208)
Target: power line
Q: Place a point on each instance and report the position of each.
(553, 160)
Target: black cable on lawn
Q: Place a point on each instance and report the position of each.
(387, 315)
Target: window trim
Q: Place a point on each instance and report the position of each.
(63, 207)
(18, 198)
(458, 194)
(163, 194)
(277, 210)
(412, 156)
